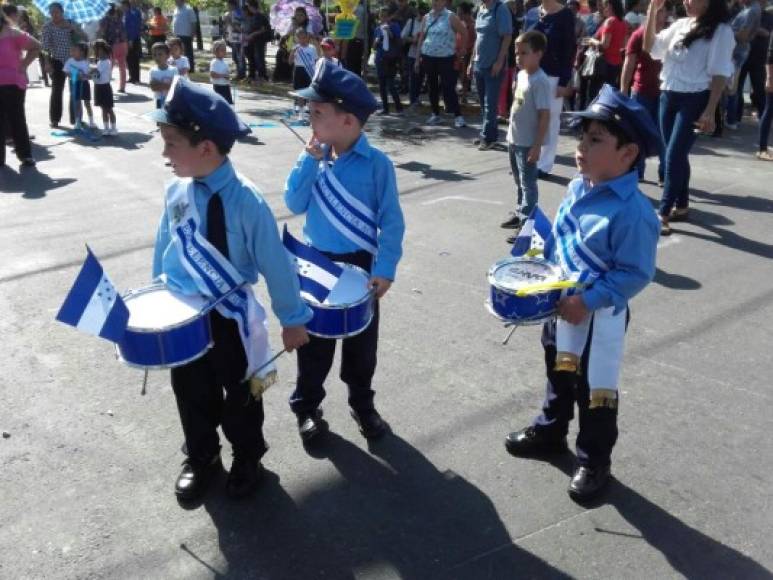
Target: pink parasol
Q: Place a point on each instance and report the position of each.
(281, 15)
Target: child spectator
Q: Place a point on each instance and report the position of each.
(529, 120)
(177, 59)
(219, 72)
(77, 70)
(329, 51)
(103, 92)
(161, 75)
(304, 57)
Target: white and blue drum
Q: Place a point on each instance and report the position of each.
(165, 329)
(508, 276)
(347, 310)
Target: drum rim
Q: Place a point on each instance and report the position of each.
(134, 365)
(366, 298)
(340, 336)
(496, 265)
(153, 287)
(520, 321)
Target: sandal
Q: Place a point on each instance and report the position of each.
(665, 228)
(678, 214)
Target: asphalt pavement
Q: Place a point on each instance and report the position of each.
(87, 464)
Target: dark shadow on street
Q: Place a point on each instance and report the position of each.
(739, 201)
(128, 140)
(30, 182)
(429, 173)
(391, 514)
(676, 281)
(122, 98)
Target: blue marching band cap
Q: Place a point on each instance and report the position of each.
(334, 84)
(630, 116)
(199, 109)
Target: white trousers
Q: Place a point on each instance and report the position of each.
(548, 152)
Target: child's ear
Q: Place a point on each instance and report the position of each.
(630, 153)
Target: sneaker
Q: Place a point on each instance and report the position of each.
(486, 145)
(764, 155)
(433, 120)
(459, 122)
(732, 126)
(92, 124)
(513, 223)
(28, 162)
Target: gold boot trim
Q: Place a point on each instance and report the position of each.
(566, 362)
(259, 385)
(603, 398)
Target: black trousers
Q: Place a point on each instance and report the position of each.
(260, 60)
(203, 405)
(224, 91)
(598, 427)
(12, 117)
(358, 358)
(354, 54)
(441, 75)
(133, 57)
(153, 40)
(188, 50)
(58, 80)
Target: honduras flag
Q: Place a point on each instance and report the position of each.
(317, 273)
(533, 235)
(93, 306)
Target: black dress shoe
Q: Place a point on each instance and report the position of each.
(529, 442)
(371, 425)
(244, 477)
(195, 477)
(587, 482)
(513, 223)
(544, 175)
(311, 425)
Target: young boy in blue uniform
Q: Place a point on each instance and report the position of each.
(216, 236)
(604, 237)
(339, 158)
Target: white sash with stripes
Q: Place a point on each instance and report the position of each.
(351, 217)
(579, 263)
(306, 59)
(215, 277)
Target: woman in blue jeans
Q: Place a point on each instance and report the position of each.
(696, 52)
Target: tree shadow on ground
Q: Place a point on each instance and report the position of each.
(428, 172)
(690, 552)
(744, 202)
(30, 182)
(392, 513)
(129, 140)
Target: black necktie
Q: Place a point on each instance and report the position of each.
(216, 224)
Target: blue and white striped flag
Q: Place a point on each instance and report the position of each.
(93, 306)
(316, 272)
(533, 235)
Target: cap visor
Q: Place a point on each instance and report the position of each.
(310, 94)
(588, 114)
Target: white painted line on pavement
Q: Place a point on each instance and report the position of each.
(462, 198)
(671, 240)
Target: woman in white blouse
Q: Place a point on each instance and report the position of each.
(697, 62)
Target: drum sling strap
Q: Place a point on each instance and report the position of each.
(579, 263)
(206, 260)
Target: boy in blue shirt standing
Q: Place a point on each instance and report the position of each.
(604, 237)
(216, 236)
(340, 105)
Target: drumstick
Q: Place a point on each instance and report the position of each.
(273, 358)
(510, 334)
(293, 131)
(545, 287)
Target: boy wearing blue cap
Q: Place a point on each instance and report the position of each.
(353, 172)
(216, 236)
(604, 238)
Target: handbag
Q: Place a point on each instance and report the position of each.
(594, 65)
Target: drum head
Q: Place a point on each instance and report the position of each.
(516, 273)
(158, 307)
(351, 288)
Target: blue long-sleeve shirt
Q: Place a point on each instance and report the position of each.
(562, 43)
(367, 174)
(618, 224)
(132, 22)
(254, 246)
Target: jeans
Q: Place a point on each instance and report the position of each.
(441, 68)
(652, 105)
(12, 117)
(414, 80)
(765, 119)
(488, 95)
(386, 72)
(237, 55)
(525, 176)
(678, 114)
